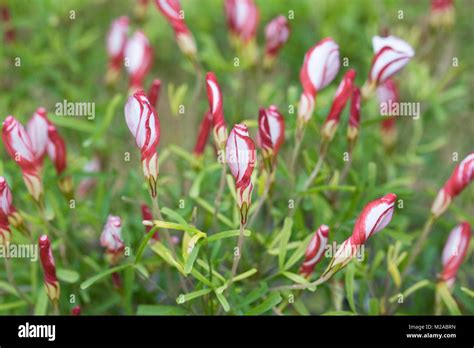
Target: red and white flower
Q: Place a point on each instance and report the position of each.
(271, 131)
(242, 19)
(343, 93)
(142, 121)
(111, 239)
(240, 155)
(147, 215)
(320, 67)
(37, 129)
(49, 268)
(19, 146)
(214, 95)
(203, 134)
(138, 59)
(454, 252)
(154, 93)
(171, 9)
(354, 116)
(116, 42)
(277, 33)
(462, 175)
(315, 250)
(57, 153)
(387, 95)
(442, 13)
(6, 210)
(391, 55)
(375, 216)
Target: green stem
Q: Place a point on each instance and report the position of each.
(11, 280)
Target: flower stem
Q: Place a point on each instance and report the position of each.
(325, 277)
(11, 280)
(263, 198)
(419, 243)
(235, 264)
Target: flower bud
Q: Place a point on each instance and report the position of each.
(271, 132)
(37, 129)
(277, 33)
(56, 149)
(343, 94)
(387, 94)
(19, 147)
(375, 216)
(8, 28)
(443, 13)
(462, 175)
(214, 95)
(172, 11)
(204, 130)
(242, 19)
(116, 42)
(8, 213)
(240, 155)
(76, 311)
(454, 252)
(315, 250)
(142, 121)
(320, 67)
(391, 55)
(154, 93)
(354, 117)
(138, 59)
(111, 239)
(49, 268)
(147, 215)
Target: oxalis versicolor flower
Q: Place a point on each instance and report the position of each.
(111, 239)
(116, 42)
(374, 217)
(454, 252)
(242, 19)
(462, 175)
(391, 55)
(277, 33)
(154, 93)
(343, 93)
(138, 59)
(19, 146)
(241, 157)
(49, 268)
(354, 117)
(214, 95)
(442, 13)
(271, 133)
(171, 9)
(387, 94)
(315, 250)
(203, 134)
(37, 129)
(142, 121)
(320, 67)
(57, 153)
(8, 213)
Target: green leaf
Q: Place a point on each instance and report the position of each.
(179, 227)
(411, 290)
(67, 275)
(373, 306)
(192, 295)
(210, 209)
(298, 253)
(285, 237)
(223, 301)
(349, 280)
(144, 243)
(166, 255)
(299, 280)
(174, 216)
(12, 305)
(188, 266)
(467, 291)
(271, 301)
(339, 313)
(160, 310)
(6, 287)
(227, 234)
(103, 274)
(244, 275)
